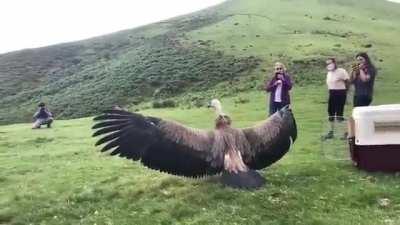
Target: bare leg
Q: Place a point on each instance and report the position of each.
(36, 124)
(330, 134)
(350, 128)
(49, 121)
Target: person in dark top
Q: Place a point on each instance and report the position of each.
(279, 87)
(363, 78)
(42, 117)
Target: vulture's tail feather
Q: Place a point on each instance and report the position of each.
(243, 180)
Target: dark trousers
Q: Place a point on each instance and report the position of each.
(42, 121)
(362, 100)
(275, 106)
(336, 102)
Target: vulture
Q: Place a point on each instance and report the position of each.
(168, 146)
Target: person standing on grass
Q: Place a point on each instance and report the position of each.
(363, 78)
(279, 87)
(337, 80)
(42, 117)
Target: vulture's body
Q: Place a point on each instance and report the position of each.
(173, 148)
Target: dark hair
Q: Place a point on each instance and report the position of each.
(41, 104)
(370, 66)
(333, 60)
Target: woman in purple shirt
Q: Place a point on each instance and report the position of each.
(279, 87)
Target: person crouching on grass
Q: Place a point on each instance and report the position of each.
(337, 80)
(279, 87)
(42, 117)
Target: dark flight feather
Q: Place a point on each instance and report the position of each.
(158, 144)
(270, 140)
(173, 148)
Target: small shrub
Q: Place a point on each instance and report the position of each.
(199, 103)
(241, 100)
(169, 103)
(329, 18)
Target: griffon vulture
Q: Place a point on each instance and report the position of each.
(171, 147)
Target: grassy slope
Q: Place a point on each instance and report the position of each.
(296, 33)
(62, 179)
(80, 78)
(193, 53)
(56, 176)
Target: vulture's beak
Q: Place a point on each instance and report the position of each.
(209, 105)
(286, 109)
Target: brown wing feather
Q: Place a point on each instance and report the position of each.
(270, 140)
(159, 144)
(197, 139)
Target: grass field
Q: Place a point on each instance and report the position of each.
(57, 176)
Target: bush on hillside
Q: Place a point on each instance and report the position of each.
(169, 103)
(241, 100)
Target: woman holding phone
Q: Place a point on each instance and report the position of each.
(363, 79)
(279, 87)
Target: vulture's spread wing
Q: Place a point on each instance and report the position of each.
(270, 140)
(159, 144)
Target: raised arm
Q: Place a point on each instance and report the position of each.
(36, 114)
(287, 82)
(270, 85)
(364, 76)
(354, 73)
(49, 114)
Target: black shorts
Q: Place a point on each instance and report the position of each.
(362, 100)
(337, 99)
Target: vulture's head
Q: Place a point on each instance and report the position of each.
(222, 119)
(215, 104)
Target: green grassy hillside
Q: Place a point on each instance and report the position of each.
(125, 68)
(221, 50)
